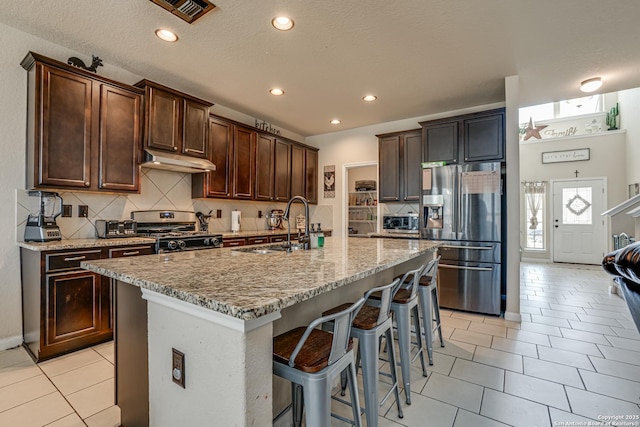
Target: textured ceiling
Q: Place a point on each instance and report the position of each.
(418, 56)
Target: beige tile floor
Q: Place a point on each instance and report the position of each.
(574, 358)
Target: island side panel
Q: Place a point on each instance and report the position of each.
(227, 374)
(131, 356)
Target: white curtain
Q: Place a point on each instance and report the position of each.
(534, 193)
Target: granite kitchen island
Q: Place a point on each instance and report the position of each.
(221, 308)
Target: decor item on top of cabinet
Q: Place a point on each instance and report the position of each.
(612, 117)
(77, 62)
(533, 131)
(330, 181)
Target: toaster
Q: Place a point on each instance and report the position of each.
(111, 228)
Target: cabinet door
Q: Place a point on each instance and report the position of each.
(119, 139)
(298, 158)
(63, 129)
(265, 156)
(195, 129)
(244, 143)
(218, 182)
(389, 152)
(412, 154)
(311, 177)
(282, 186)
(73, 306)
(163, 115)
(441, 142)
(484, 138)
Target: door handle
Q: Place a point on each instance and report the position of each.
(458, 267)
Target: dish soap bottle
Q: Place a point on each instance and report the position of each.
(320, 237)
(313, 237)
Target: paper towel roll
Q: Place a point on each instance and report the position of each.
(236, 218)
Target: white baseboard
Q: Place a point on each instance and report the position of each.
(512, 317)
(10, 342)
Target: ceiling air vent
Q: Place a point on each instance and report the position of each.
(187, 10)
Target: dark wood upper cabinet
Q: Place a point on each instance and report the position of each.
(469, 138)
(174, 121)
(119, 125)
(311, 177)
(298, 166)
(389, 163)
(216, 183)
(411, 154)
(84, 130)
(244, 155)
(265, 167)
(282, 178)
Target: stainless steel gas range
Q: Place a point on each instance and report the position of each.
(174, 231)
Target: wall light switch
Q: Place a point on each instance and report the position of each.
(177, 367)
(67, 211)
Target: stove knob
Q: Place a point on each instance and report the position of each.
(182, 244)
(173, 245)
(206, 241)
(215, 242)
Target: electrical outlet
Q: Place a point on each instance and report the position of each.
(177, 367)
(67, 211)
(219, 213)
(83, 211)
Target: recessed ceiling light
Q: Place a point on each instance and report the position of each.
(369, 98)
(276, 91)
(591, 85)
(335, 121)
(282, 23)
(166, 35)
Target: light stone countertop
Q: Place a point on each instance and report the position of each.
(249, 285)
(255, 233)
(392, 235)
(85, 243)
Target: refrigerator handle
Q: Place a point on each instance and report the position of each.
(458, 204)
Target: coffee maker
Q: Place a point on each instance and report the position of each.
(41, 225)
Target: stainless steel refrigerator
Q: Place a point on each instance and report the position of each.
(462, 205)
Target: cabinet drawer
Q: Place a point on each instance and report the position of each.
(257, 240)
(130, 251)
(227, 243)
(62, 261)
(276, 239)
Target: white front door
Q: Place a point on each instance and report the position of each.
(578, 229)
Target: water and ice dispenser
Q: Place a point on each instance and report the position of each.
(432, 205)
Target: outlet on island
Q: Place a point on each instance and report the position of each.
(83, 211)
(177, 367)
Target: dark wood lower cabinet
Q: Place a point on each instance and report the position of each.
(66, 308)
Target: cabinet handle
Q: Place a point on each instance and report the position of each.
(175, 148)
(86, 183)
(130, 253)
(76, 258)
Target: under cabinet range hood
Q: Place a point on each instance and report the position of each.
(175, 162)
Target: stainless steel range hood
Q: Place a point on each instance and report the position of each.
(175, 162)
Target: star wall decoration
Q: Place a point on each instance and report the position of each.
(532, 130)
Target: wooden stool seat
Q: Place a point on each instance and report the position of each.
(366, 319)
(425, 281)
(314, 356)
(402, 296)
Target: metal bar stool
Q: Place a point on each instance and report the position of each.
(405, 305)
(312, 359)
(428, 296)
(372, 323)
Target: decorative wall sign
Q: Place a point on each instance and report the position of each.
(578, 155)
(262, 125)
(330, 181)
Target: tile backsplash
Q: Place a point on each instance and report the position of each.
(161, 190)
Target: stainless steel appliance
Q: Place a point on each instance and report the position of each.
(174, 231)
(274, 219)
(113, 228)
(462, 205)
(400, 223)
(41, 224)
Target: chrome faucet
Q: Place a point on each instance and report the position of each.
(305, 240)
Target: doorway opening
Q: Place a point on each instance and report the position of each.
(578, 233)
(360, 207)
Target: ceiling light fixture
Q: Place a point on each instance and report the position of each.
(335, 121)
(166, 35)
(591, 85)
(369, 98)
(276, 91)
(282, 23)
